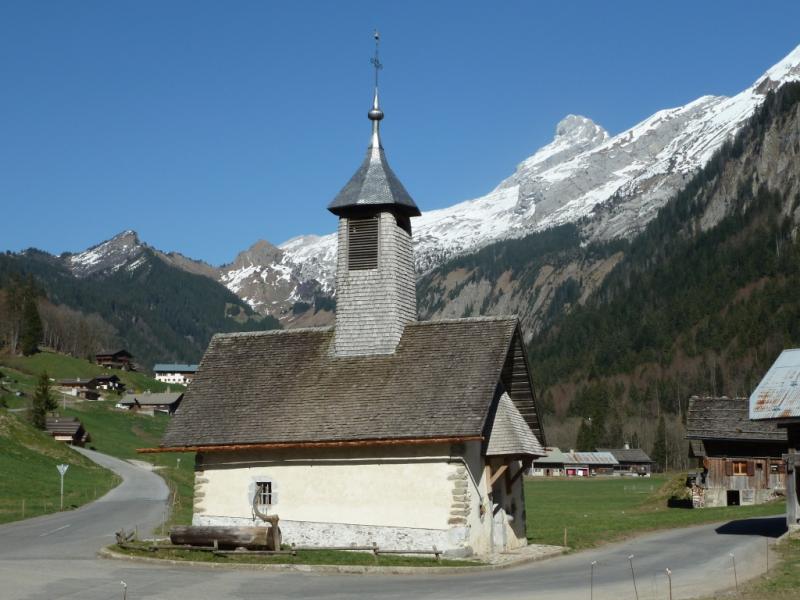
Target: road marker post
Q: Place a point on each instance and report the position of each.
(591, 580)
(62, 469)
(633, 576)
(735, 576)
(124, 590)
(669, 577)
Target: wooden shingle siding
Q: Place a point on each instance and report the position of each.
(374, 305)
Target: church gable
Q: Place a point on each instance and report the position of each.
(517, 381)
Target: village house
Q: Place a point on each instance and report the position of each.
(631, 461)
(574, 464)
(68, 430)
(174, 373)
(552, 464)
(115, 359)
(740, 460)
(110, 383)
(80, 388)
(381, 429)
(150, 403)
(776, 402)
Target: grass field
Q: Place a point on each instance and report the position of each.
(305, 557)
(595, 511)
(24, 369)
(28, 473)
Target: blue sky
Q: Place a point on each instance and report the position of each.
(206, 126)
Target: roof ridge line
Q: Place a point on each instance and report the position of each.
(235, 334)
(479, 318)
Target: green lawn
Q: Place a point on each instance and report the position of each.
(599, 510)
(28, 473)
(304, 557)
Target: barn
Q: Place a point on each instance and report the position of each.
(740, 460)
(775, 403)
(381, 429)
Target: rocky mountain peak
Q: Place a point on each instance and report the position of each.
(107, 256)
(579, 129)
(261, 254)
(787, 69)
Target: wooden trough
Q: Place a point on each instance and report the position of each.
(250, 538)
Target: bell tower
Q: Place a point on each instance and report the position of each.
(375, 282)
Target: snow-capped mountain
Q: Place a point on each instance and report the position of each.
(610, 185)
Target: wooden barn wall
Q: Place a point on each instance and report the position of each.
(720, 474)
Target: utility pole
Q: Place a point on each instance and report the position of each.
(62, 469)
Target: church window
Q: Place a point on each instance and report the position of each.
(362, 244)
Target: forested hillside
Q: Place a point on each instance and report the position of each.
(701, 302)
(159, 312)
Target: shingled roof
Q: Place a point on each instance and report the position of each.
(289, 387)
(727, 419)
(511, 435)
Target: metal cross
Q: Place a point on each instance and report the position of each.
(375, 60)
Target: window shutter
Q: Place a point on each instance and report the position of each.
(362, 244)
(728, 468)
(751, 468)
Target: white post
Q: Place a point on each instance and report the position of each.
(62, 469)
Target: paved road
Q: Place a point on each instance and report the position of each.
(53, 557)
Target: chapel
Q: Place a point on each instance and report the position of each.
(381, 429)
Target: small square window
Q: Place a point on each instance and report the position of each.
(740, 467)
(264, 493)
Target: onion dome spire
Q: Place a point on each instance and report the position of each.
(374, 183)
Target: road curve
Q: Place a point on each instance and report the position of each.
(53, 557)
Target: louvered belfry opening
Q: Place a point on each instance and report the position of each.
(362, 244)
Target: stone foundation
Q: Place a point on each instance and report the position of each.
(307, 533)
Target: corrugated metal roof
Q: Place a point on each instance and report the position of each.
(592, 458)
(554, 456)
(778, 394)
(174, 368)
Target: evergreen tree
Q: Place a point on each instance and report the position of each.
(587, 437)
(31, 330)
(41, 402)
(659, 453)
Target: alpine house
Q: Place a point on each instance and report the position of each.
(381, 429)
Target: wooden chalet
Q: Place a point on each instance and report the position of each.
(152, 403)
(115, 359)
(740, 461)
(68, 430)
(631, 461)
(380, 430)
(80, 388)
(776, 403)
